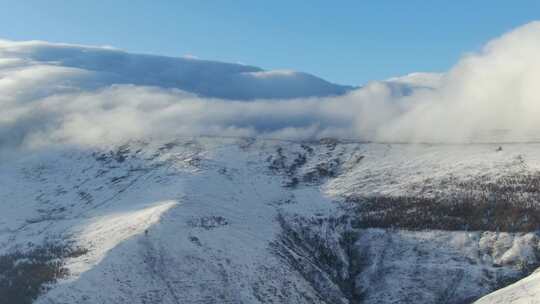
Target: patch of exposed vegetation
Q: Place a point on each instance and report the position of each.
(209, 222)
(299, 166)
(119, 155)
(328, 261)
(322, 170)
(280, 162)
(509, 203)
(24, 275)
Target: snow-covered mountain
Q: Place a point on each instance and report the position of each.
(240, 220)
(95, 67)
(142, 179)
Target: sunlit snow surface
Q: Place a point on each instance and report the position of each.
(197, 221)
(526, 291)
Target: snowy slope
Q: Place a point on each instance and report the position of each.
(523, 292)
(95, 67)
(229, 220)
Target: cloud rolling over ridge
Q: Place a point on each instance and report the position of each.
(55, 93)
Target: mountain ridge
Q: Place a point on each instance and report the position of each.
(243, 220)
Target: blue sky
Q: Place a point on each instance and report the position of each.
(348, 42)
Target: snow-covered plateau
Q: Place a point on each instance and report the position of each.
(241, 220)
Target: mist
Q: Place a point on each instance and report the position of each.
(54, 94)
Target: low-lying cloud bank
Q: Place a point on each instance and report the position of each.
(52, 94)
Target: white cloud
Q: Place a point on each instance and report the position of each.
(81, 95)
(494, 90)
